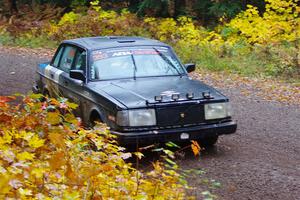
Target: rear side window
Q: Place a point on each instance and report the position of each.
(67, 58)
(57, 57)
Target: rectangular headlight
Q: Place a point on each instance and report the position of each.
(139, 117)
(217, 110)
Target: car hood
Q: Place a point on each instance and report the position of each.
(136, 93)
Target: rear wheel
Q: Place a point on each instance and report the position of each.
(209, 141)
(45, 96)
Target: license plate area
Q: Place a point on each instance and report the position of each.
(184, 136)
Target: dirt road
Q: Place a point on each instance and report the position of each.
(260, 161)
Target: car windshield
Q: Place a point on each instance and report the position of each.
(134, 62)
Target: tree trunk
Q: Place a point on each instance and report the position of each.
(189, 7)
(13, 6)
(179, 7)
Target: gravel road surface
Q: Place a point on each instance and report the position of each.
(260, 161)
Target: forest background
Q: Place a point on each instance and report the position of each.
(248, 37)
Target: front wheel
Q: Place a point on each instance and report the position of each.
(209, 141)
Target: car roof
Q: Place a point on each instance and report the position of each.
(92, 43)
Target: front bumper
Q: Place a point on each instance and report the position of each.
(195, 133)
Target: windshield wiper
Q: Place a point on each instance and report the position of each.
(135, 68)
(165, 58)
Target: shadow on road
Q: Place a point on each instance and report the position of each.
(182, 154)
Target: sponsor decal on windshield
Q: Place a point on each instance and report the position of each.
(99, 55)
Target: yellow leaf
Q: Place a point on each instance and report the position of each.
(36, 142)
(38, 172)
(74, 195)
(4, 184)
(25, 135)
(53, 118)
(6, 138)
(25, 192)
(25, 156)
(139, 155)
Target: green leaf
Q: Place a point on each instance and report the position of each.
(158, 150)
(169, 153)
(35, 96)
(172, 144)
(215, 184)
(170, 161)
(72, 105)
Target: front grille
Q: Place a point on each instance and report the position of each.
(180, 115)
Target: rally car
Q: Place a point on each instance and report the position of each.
(138, 87)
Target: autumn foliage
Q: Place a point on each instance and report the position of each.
(261, 41)
(45, 154)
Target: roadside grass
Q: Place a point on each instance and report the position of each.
(27, 40)
(243, 60)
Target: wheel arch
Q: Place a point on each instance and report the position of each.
(96, 114)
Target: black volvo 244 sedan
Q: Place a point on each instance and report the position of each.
(138, 87)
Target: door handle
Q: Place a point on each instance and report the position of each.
(52, 75)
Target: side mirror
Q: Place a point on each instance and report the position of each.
(77, 74)
(190, 67)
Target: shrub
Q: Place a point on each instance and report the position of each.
(95, 22)
(45, 154)
(280, 22)
(6, 38)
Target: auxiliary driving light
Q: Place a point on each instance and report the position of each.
(206, 95)
(190, 95)
(175, 97)
(158, 98)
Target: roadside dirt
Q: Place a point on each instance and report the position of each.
(260, 161)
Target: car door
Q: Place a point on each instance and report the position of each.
(72, 88)
(65, 65)
(52, 75)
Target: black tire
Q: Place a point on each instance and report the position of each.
(94, 119)
(209, 141)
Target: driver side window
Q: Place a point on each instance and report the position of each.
(67, 58)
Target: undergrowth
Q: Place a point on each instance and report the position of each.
(46, 154)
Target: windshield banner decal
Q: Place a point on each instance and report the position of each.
(99, 55)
